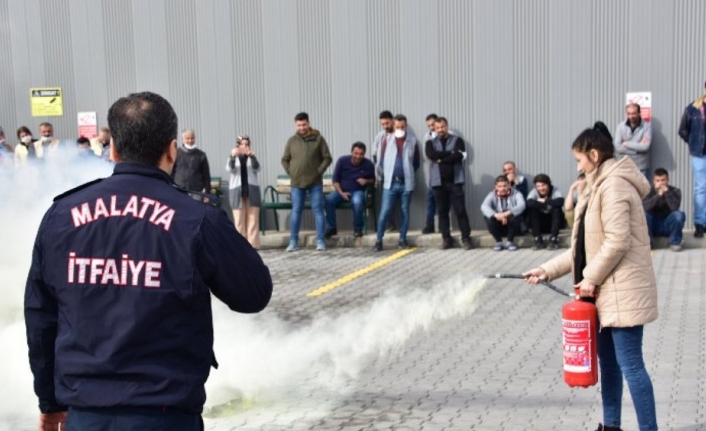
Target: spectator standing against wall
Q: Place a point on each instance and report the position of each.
(662, 210)
(386, 131)
(191, 171)
(101, 143)
(632, 139)
(305, 159)
(47, 145)
(447, 178)
(398, 164)
(244, 190)
(692, 129)
(26, 149)
(426, 166)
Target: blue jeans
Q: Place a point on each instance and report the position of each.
(131, 419)
(620, 355)
(388, 203)
(431, 208)
(316, 195)
(358, 203)
(670, 226)
(698, 169)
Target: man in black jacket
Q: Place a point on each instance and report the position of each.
(118, 297)
(191, 171)
(662, 210)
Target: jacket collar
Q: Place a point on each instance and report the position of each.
(143, 170)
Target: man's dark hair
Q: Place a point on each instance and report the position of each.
(501, 179)
(400, 117)
(661, 172)
(358, 144)
(83, 140)
(302, 116)
(143, 125)
(598, 138)
(441, 120)
(46, 124)
(432, 117)
(386, 115)
(543, 178)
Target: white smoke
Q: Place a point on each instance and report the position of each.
(261, 357)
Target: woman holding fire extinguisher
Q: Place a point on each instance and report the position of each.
(610, 259)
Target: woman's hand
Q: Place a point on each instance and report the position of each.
(586, 289)
(534, 276)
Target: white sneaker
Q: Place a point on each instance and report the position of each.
(293, 246)
(511, 246)
(320, 246)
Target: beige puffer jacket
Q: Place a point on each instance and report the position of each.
(617, 245)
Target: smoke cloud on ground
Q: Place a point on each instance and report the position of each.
(261, 357)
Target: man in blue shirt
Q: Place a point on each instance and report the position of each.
(351, 176)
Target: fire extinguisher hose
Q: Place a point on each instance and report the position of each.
(522, 277)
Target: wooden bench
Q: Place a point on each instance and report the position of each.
(279, 197)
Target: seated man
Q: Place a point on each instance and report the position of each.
(662, 210)
(544, 211)
(350, 177)
(502, 209)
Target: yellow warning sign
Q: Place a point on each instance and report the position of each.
(46, 102)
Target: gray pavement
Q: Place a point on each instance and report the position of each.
(421, 344)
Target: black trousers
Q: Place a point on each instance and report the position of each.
(498, 230)
(447, 196)
(132, 419)
(541, 222)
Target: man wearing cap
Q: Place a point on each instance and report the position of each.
(692, 130)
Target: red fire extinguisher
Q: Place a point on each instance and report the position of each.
(580, 328)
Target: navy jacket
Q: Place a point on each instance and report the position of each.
(692, 128)
(117, 302)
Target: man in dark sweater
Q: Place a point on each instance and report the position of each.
(191, 171)
(447, 177)
(350, 178)
(662, 210)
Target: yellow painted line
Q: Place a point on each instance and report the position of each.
(353, 275)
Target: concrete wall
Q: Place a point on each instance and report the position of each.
(519, 79)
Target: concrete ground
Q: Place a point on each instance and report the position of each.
(419, 341)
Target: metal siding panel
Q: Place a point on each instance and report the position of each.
(182, 54)
(8, 109)
(56, 33)
(383, 41)
(150, 29)
(119, 49)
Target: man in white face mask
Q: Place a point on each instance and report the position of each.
(398, 163)
(100, 145)
(47, 144)
(191, 171)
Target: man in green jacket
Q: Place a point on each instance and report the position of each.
(306, 157)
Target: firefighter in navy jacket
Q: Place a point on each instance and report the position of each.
(117, 302)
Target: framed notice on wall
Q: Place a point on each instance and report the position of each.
(644, 99)
(46, 102)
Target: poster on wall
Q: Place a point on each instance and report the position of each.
(87, 125)
(46, 102)
(644, 99)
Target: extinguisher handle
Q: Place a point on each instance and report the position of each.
(593, 298)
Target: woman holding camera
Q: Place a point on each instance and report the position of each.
(244, 190)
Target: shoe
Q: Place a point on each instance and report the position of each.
(538, 244)
(330, 232)
(358, 234)
(427, 230)
(511, 246)
(378, 246)
(293, 246)
(403, 244)
(604, 428)
(699, 231)
(498, 246)
(675, 247)
(447, 244)
(553, 243)
(320, 246)
(467, 243)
